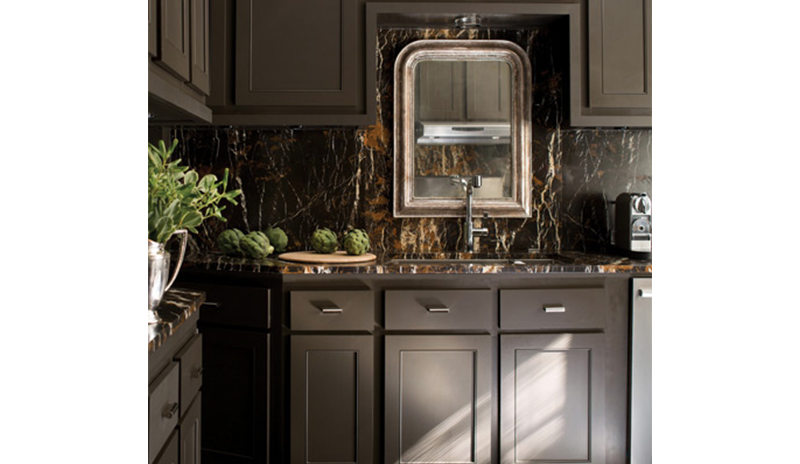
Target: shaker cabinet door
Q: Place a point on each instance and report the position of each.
(235, 394)
(175, 36)
(438, 399)
(331, 399)
(619, 54)
(552, 390)
(297, 53)
(199, 46)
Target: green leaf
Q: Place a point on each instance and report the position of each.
(190, 177)
(191, 220)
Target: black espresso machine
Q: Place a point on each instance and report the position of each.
(633, 228)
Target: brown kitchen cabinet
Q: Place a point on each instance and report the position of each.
(618, 61)
(455, 91)
(331, 398)
(552, 406)
(332, 376)
(179, 65)
(174, 397)
(235, 396)
(438, 398)
(284, 63)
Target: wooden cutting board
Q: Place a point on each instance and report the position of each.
(339, 257)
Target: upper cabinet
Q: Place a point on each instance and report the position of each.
(289, 63)
(178, 53)
(618, 74)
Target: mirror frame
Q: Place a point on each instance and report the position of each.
(405, 204)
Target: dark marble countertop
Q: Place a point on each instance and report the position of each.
(176, 307)
(434, 263)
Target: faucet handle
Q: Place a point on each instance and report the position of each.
(477, 181)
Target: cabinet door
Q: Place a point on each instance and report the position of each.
(152, 28)
(438, 399)
(620, 61)
(488, 93)
(331, 399)
(297, 53)
(552, 398)
(175, 36)
(169, 455)
(235, 396)
(190, 433)
(199, 46)
(441, 90)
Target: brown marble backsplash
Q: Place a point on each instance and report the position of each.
(300, 179)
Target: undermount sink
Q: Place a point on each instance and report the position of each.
(480, 261)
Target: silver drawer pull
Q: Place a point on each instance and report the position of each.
(171, 411)
(197, 373)
(331, 310)
(437, 309)
(646, 293)
(555, 309)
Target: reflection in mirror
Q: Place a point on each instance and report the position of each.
(462, 108)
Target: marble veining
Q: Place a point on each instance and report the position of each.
(176, 307)
(388, 263)
(303, 178)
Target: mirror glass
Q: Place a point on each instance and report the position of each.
(462, 123)
(462, 108)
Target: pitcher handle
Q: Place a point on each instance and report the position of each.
(184, 239)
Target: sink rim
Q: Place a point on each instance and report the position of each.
(477, 261)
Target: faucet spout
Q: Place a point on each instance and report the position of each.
(470, 231)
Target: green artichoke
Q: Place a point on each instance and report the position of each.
(356, 242)
(256, 245)
(277, 237)
(228, 242)
(324, 241)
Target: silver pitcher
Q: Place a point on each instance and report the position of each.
(159, 280)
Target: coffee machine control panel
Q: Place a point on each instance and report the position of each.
(634, 224)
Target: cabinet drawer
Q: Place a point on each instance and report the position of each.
(438, 309)
(170, 453)
(563, 308)
(163, 409)
(235, 305)
(190, 358)
(332, 310)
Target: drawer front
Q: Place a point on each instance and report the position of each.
(170, 453)
(190, 358)
(332, 310)
(235, 305)
(163, 409)
(438, 309)
(546, 309)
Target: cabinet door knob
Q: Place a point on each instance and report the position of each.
(555, 309)
(197, 373)
(437, 309)
(168, 413)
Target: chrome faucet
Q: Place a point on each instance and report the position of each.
(469, 183)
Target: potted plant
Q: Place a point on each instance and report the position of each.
(178, 201)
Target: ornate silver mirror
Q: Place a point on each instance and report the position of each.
(462, 110)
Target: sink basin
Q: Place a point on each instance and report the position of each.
(479, 261)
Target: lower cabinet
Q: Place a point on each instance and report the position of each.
(169, 455)
(235, 396)
(438, 399)
(174, 403)
(190, 433)
(331, 399)
(552, 398)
